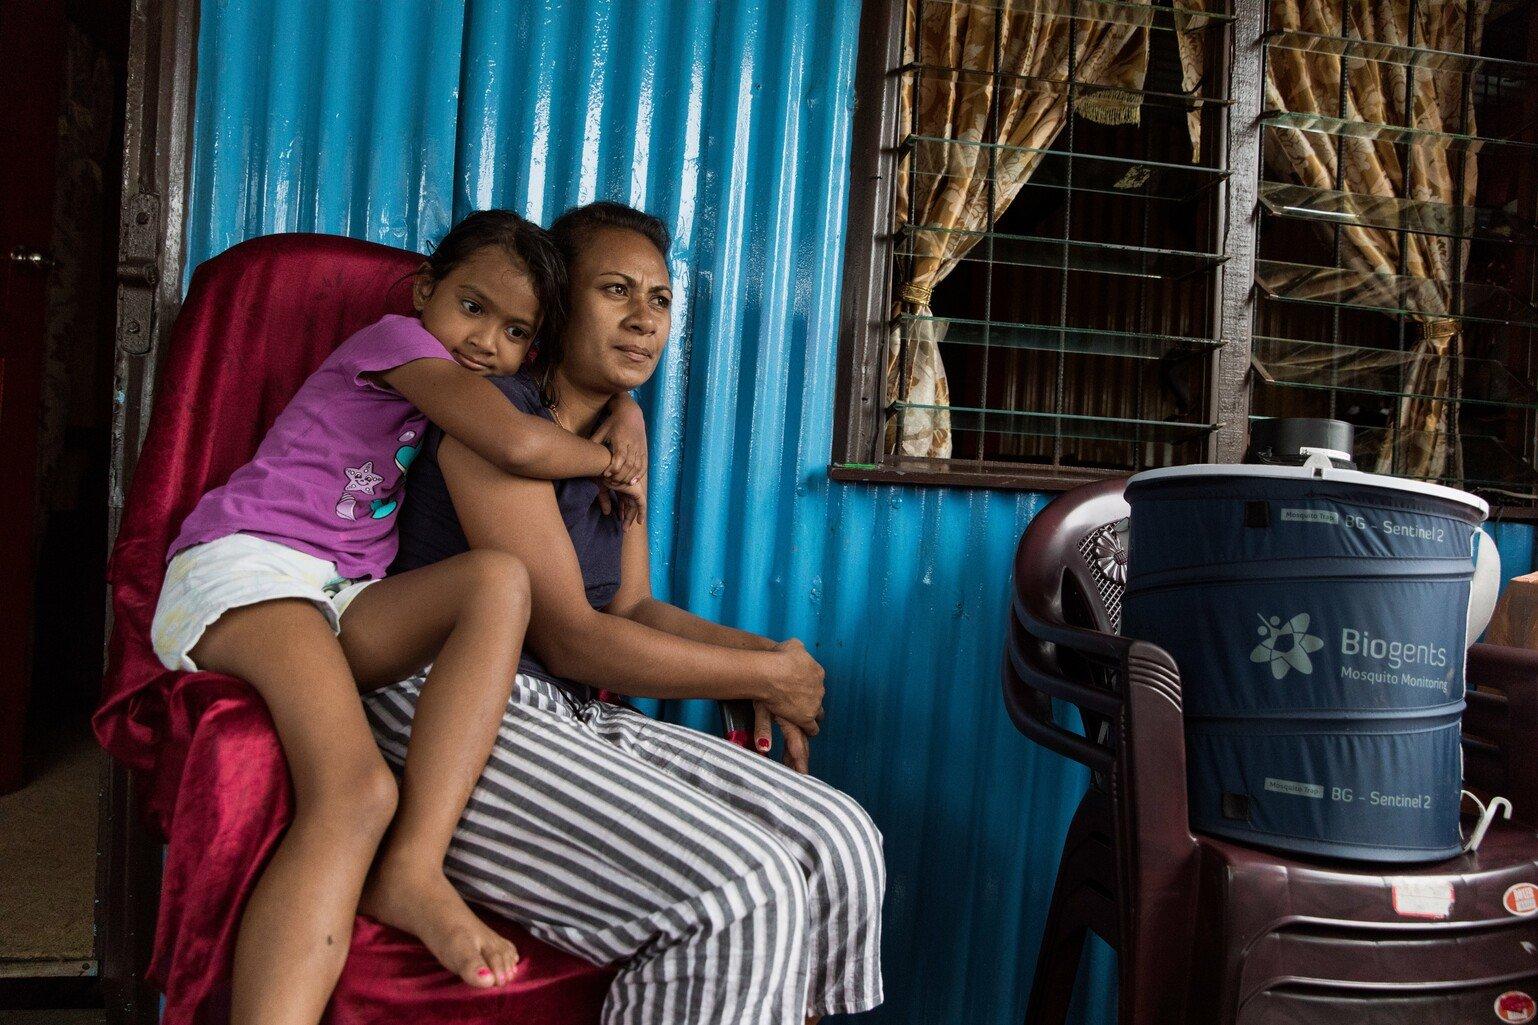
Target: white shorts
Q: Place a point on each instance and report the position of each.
(207, 580)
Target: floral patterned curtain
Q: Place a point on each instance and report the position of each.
(1306, 82)
(947, 186)
(1191, 45)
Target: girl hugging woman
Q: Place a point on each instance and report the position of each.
(726, 888)
(278, 577)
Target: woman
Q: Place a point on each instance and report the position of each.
(728, 888)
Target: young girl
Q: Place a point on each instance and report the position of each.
(276, 578)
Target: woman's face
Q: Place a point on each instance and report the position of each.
(621, 312)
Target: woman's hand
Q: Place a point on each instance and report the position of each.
(632, 501)
(793, 686)
(624, 435)
(797, 749)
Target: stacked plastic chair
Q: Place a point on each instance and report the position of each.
(1211, 932)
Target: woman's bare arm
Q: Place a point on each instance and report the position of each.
(634, 602)
(659, 615)
(520, 516)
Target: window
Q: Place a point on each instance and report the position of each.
(1106, 235)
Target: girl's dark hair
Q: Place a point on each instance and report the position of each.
(524, 242)
(571, 233)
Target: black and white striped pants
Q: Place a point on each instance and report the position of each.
(727, 887)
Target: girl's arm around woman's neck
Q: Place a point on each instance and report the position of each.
(471, 410)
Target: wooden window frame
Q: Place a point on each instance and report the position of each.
(867, 299)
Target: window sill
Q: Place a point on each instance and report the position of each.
(958, 473)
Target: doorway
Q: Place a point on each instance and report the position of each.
(63, 73)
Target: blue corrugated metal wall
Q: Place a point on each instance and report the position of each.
(731, 121)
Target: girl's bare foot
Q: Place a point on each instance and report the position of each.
(425, 904)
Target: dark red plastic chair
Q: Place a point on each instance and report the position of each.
(1211, 932)
(257, 320)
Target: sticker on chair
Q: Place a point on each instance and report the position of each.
(1521, 899)
(1515, 1007)
(1423, 898)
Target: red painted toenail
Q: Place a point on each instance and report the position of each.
(483, 972)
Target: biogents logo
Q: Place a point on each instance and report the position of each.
(1286, 646)
(1395, 653)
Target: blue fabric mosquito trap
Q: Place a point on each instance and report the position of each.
(1319, 617)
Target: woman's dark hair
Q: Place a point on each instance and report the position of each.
(576, 227)
(571, 233)
(524, 242)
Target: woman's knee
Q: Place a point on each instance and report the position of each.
(866, 836)
(783, 879)
(873, 847)
(851, 844)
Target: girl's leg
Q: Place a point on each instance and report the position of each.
(296, 927)
(467, 616)
(830, 835)
(609, 858)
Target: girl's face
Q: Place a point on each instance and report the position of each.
(621, 312)
(484, 311)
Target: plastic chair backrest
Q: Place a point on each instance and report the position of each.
(1068, 578)
(1071, 564)
(1069, 570)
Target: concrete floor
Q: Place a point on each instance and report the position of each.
(48, 858)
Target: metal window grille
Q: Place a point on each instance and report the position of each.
(1079, 327)
(1335, 338)
(1095, 327)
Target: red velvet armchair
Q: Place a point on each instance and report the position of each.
(256, 322)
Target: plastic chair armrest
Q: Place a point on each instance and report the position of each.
(1104, 648)
(1501, 722)
(1036, 722)
(1147, 676)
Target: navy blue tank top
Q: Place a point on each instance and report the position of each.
(430, 530)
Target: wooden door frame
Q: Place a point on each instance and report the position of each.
(152, 253)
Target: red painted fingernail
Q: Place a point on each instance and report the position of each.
(763, 743)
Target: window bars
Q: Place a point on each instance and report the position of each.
(1056, 230)
(1396, 269)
